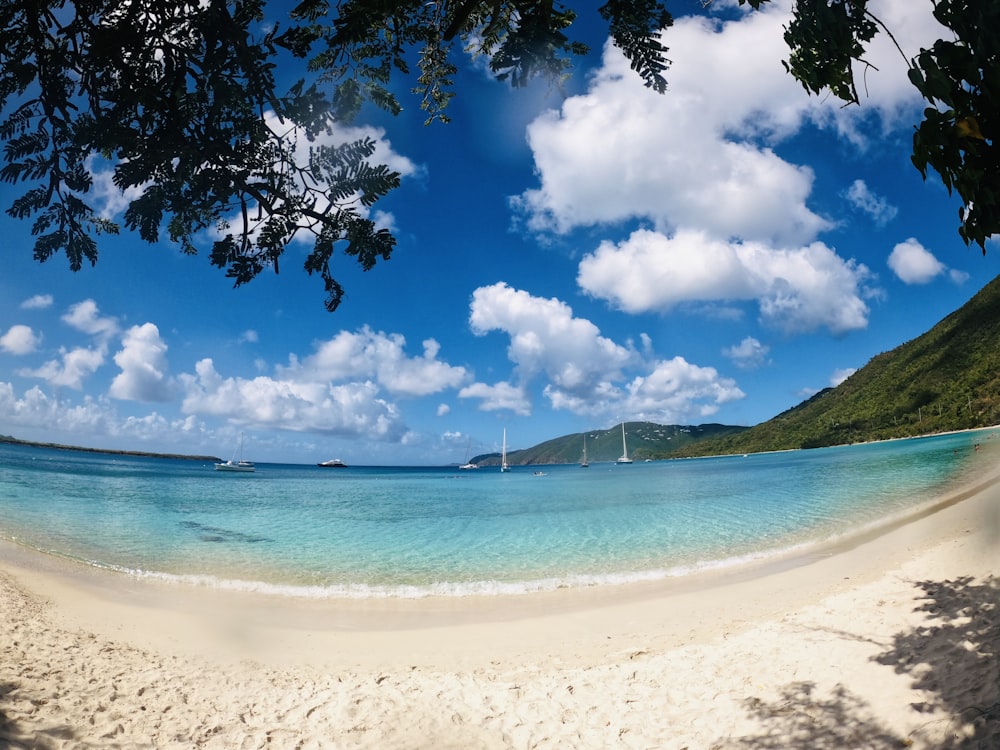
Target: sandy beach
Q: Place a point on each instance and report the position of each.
(889, 641)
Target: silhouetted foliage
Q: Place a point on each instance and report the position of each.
(180, 101)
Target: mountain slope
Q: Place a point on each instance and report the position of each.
(645, 440)
(946, 379)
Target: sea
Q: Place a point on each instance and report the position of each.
(305, 531)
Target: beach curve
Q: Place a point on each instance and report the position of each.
(892, 640)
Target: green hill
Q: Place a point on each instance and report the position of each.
(645, 440)
(946, 379)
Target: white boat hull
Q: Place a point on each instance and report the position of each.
(242, 466)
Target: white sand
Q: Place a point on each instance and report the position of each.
(892, 642)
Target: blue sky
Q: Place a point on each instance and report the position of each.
(715, 254)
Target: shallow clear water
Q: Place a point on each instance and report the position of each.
(410, 532)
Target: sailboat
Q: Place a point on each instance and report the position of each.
(624, 459)
(236, 464)
(584, 463)
(503, 454)
(468, 464)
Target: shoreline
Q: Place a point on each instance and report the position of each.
(8, 440)
(793, 576)
(672, 663)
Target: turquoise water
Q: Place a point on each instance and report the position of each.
(364, 532)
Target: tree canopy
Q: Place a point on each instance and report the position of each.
(182, 100)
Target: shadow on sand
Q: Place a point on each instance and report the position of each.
(20, 737)
(954, 657)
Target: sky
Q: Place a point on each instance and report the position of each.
(716, 254)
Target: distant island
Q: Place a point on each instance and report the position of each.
(107, 451)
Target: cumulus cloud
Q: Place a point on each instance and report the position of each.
(676, 391)
(86, 317)
(796, 290)
(499, 397)
(143, 364)
(701, 155)
(71, 368)
(76, 364)
(336, 135)
(344, 387)
(863, 199)
(20, 339)
(300, 406)
(749, 354)
(700, 162)
(37, 302)
(545, 338)
(584, 372)
(692, 157)
(36, 409)
(913, 263)
(367, 354)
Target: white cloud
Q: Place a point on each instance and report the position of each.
(75, 364)
(957, 277)
(367, 354)
(36, 410)
(877, 207)
(913, 263)
(841, 374)
(342, 388)
(797, 290)
(443, 409)
(748, 354)
(85, 316)
(20, 339)
(346, 409)
(109, 199)
(143, 362)
(499, 397)
(677, 392)
(699, 162)
(546, 338)
(37, 302)
(249, 336)
(689, 158)
(71, 369)
(700, 156)
(585, 373)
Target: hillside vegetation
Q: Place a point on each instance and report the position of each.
(645, 440)
(946, 379)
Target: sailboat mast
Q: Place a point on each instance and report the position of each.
(624, 459)
(503, 454)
